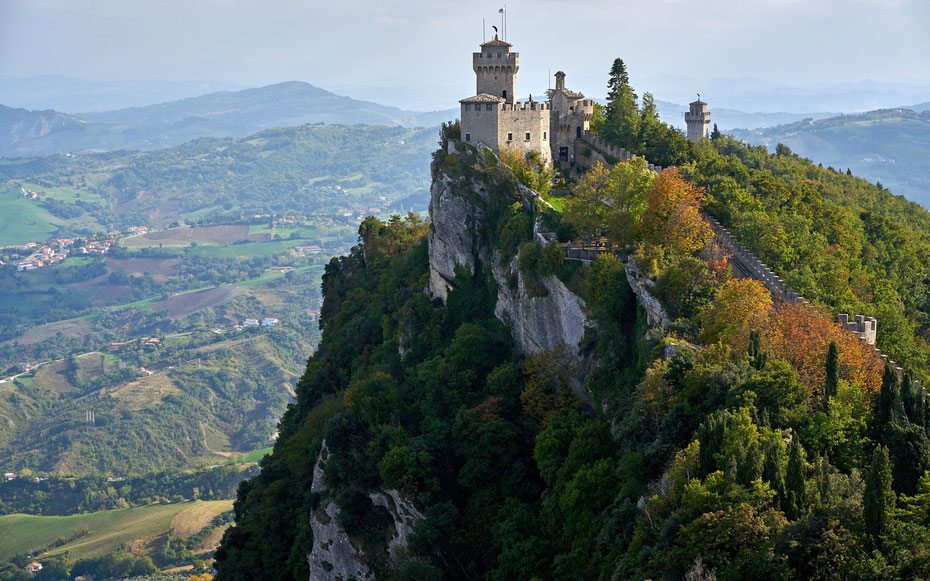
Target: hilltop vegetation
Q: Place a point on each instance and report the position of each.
(746, 439)
(889, 146)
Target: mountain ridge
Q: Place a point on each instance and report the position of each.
(218, 114)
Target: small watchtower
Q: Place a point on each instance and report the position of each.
(496, 69)
(698, 120)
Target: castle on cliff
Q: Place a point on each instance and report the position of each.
(494, 118)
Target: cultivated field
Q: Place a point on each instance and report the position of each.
(182, 305)
(183, 237)
(160, 269)
(107, 530)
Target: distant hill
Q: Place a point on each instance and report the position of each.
(220, 114)
(890, 146)
(726, 119)
(71, 94)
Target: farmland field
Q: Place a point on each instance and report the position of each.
(185, 236)
(107, 530)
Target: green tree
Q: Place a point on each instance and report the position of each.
(757, 357)
(831, 383)
(715, 134)
(622, 119)
(795, 481)
(878, 499)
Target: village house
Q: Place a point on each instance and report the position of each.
(250, 323)
(269, 322)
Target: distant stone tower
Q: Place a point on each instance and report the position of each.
(496, 69)
(698, 120)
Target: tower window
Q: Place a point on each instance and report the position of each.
(577, 131)
(467, 107)
(544, 135)
(489, 106)
(527, 135)
(468, 137)
(505, 93)
(510, 137)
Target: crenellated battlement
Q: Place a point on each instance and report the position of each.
(525, 106)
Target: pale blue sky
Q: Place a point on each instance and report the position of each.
(420, 51)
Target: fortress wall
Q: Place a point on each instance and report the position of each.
(746, 265)
(522, 118)
(601, 148)
(481, 123)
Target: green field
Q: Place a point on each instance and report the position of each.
(26, 221)
(107, 530)
(245, 250)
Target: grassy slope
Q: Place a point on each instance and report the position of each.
(107, 529)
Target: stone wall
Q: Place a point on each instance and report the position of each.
(746, 265)
(600, 151)
(480, 123)
(519, 119)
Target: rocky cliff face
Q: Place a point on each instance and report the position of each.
(335, 556)
(456, 239)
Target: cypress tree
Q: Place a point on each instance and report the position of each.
(886, 403)
(831, 385)
(822, 474)
(752, 465)
(773, 472)
(795, 485)
(757, 358)
(715, 134)
(907, 398)
(878, 499)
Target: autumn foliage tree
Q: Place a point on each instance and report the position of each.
(802, 334)
(741, 306)
(673, 214)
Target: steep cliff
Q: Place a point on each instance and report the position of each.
(335, 555)
(460, 235)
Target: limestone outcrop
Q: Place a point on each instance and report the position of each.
(335, 556)
(456, 239)
(538, 323)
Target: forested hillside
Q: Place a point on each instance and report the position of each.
(746, 438)
(294, 170)
(890, 146)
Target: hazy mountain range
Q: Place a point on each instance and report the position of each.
(881, 146)
(218, 114)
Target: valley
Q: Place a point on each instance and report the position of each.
(156, 311)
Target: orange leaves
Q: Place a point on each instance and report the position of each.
(801, 335)
(673, 214)
(741, 306)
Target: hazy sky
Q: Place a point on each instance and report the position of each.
(358, 46)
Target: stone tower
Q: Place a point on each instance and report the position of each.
(697, 120)
(496, 69)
